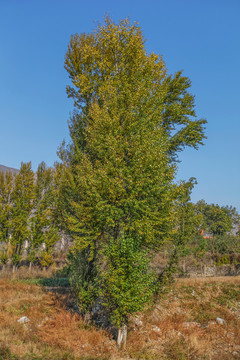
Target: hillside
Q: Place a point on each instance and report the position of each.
(6, 168)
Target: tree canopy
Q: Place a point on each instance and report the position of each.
(112, 64)
(218, 220)
(130, 120)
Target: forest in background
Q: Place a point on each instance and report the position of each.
(31, 221)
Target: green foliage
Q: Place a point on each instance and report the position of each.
(83, 278)
(185, 221)
(43, 229)
(26, 213)
(6, 206)
(218, 222)
(199, 245)
(3, 255)
(46, 258)
(127, 280)
(185, 228)
(51, 236)
(224, 244)
(114, 59)
(16, 257)
(64, 193)
(54, 282)
(22, 197)
(215, 219)
(116, 193)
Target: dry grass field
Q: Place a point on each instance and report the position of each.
(181, 326)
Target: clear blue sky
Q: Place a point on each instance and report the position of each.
(200, 36)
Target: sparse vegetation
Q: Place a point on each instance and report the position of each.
(181, 325)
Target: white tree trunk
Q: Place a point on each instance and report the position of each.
(122, 336)
(184, 267)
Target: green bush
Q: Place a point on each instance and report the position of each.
(83, 278)
(224, 244)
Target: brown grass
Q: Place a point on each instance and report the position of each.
(50, 325)
(67, 331)
(182, 324)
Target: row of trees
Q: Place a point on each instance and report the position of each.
(26, 215)
(215, 219)
(30, 213)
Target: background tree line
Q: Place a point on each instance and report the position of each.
(26, 215)
(31, 213)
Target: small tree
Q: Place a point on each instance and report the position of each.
(51, 236)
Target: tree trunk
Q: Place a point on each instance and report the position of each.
(122, 336)
(87, 318)
(184, 267)
(30, 267)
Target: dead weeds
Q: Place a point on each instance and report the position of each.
(181, 326)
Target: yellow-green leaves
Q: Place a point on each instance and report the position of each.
(130, 119)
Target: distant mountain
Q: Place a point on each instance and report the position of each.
(5, 169)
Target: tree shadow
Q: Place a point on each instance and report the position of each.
(59, 288)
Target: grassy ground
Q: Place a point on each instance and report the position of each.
(182, 325)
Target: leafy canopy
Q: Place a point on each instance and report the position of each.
(115, 55)
(129, 122)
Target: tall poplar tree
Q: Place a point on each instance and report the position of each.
(6, 188)
(43, 230)
(129, 122)
(23, 201)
